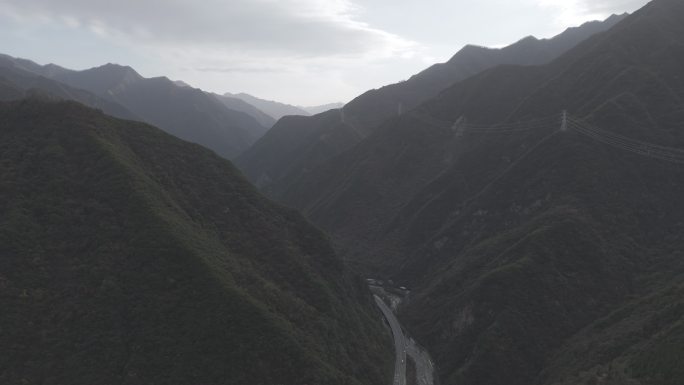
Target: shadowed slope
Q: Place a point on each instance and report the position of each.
(128, 256)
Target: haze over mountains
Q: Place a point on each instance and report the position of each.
(26, 77)
(236, 104)
(295, 145)
(313, 110)
(185, 112)
(226, 125)
(278, 110)
(529, 197)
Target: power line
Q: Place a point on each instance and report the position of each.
(668, 154)
(566, 121)
(461, 126)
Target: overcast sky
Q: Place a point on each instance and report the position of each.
(302, 52)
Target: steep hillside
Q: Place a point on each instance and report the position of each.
(360, 116)
(309, 144)
(9, 91)
(185, 112)
(128, 256)
(534, 255)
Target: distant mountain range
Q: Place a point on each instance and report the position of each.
(225, 125)
(273, 163)
(278, 110)
(534, 255)
(130, 256)
(236, 104)
(185, 112)
(25, 77)
(320, 109)
(274, 109)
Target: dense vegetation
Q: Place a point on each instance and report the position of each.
(538, 256)
(128, 256)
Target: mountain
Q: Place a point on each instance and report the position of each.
(9, 91)
(534, 255)
(47, 71)
(306, 145)
(274, 109)
(182, 83)
(185, 112)
(128, 256)
(273, 164)
(279, 110)
(240, 105)
(108, 80)
(313, 110)
(376, 106)
(26, 77)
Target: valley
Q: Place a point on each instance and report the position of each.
(509, 216)
(405, 347)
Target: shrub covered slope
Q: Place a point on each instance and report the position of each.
(128, 256)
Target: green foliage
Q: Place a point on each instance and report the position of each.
(130, 257)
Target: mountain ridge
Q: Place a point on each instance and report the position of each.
(274, 109)
(272, 165)
(174, 108)
(26, 77)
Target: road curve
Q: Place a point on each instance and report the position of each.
(399, 342)
(424, 368)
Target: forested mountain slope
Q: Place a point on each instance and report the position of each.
(535, 255)
(128, 256)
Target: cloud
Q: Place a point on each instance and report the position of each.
(233, 69)
(572, 12)
(292, 27)
(301, 51)
(610, 6)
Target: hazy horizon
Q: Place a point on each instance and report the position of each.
(300, 52)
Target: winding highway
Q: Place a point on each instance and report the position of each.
(399, 342)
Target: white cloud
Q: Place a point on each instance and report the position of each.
(296, 27)
(574, 12)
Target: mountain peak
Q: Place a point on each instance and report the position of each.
(104, 79)
(118, 69)
(528, 39)
(616, 16)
